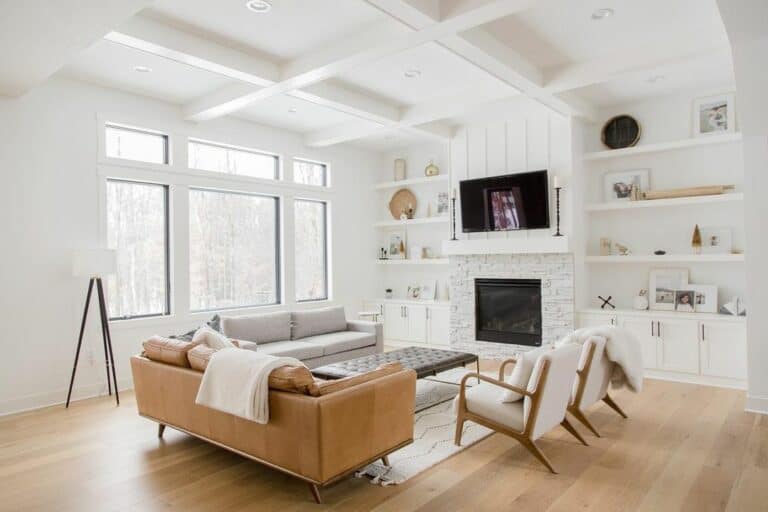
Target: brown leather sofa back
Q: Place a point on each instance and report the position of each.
(318, 439)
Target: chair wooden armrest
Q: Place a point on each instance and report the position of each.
(511, 360)
(490, 380)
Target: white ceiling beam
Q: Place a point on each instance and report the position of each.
(39, 37)
(355, 130)
(343, 56)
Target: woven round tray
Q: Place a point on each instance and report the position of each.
(401, 201)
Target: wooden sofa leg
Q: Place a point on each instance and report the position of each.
(583, 419)
(613, 405)
(538, 454)
(575, 433)
(160, 430)
(315, 493)
(385, 460)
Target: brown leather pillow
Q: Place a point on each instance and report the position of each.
(320, 388)
(295, 379)
(199, 356)
(167, 350)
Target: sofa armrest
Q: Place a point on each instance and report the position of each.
(375, 328)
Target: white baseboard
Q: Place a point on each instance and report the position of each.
(702, 380)
(40, 400)
(757, 404)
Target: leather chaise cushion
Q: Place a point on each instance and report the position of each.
(167, 350)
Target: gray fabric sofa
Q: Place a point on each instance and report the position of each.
(316, 337)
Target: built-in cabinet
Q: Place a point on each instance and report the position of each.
(413, 322)
(703, 348)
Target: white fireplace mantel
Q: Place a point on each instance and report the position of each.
(530, 245)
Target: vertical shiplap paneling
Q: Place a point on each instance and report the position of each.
(476, 160)
(496, 156)
(537, 142)
(517, 154)
(458, 168)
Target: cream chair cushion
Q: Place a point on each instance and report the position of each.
(556, 392)
(485, 400)
(599, 376)
(521, 374)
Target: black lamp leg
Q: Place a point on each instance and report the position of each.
(107, 338)
(80, 338)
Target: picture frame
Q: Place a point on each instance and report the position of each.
(705, 298)
(713, 115)
(413, 292)
(397, 244)
(428, 290)
(443, 203)
(617, 185)
(716, 240)
(684, 300)
(662, 286)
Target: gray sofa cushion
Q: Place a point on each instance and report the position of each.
(264, 328)
(336, 342)
(298, 349)
(317, 321)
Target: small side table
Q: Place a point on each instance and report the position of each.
(372, 316)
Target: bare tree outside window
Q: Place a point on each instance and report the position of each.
(311, 245)
(137, 227)
(310, 173)
(135, 144)
(208, 156)
(233, 250)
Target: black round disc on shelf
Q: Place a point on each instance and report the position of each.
(620, 132)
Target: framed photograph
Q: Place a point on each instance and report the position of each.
(713, 115)
(428, 290)
(684, 301)
(396, 244)
(443, 203)
(705, 298)
(716, 240)
(414, 292)
(663, 284)
(617, 185)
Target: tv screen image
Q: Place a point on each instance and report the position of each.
(505, 203)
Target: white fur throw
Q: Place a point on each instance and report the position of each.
(212, 338)
(621, 347)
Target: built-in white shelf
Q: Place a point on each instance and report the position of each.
(412, 222)
(668, 258)
(661, 203)
(547, 244)
(662, 314)
(664, 146)
(411, 301)
(412, 182)
(425, 261)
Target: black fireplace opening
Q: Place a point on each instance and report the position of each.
(508, 311)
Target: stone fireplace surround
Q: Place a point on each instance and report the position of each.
(556, 272)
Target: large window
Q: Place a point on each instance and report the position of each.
(209, 156)
(311, 241)
(310, 173)
(137, 226)
(233, 250)
(136, 144)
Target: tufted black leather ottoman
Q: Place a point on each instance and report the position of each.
(425, 361)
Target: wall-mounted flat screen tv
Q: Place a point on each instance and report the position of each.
(505, 203)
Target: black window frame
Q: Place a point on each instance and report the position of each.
(326, 259)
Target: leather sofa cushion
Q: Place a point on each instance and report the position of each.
(320, 387)
(199, 356)
(297, 349)
(167, 350)
(264, 328)
(336, 342)
(317, 321)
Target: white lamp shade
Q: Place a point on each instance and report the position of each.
(94, 262)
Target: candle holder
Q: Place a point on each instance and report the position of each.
(453, 218)
(557, 200)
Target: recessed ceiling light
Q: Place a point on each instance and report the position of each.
(142, 69)
(655, 78)
(292, 110)
(601, 14)
(412, 73)
(259, 6)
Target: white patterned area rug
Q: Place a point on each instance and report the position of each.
(433, 435)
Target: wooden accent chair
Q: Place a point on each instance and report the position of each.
(592, 381)
(543, 407)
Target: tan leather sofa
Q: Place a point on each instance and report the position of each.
(319, 439)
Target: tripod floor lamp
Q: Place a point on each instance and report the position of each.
(95, 264)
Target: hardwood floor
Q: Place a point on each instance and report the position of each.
(684, 447)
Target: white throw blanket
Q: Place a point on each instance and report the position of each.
(237, 382)
(621, 347)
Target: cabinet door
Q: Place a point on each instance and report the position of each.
(438, 324)
(723, 350)
(395, 323)
(679, 345)
(416, 316)
(643, 328)
(596, 320)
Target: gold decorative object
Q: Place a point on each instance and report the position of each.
(431, 169)
(696, 240)
(402, 202)
(711, 190)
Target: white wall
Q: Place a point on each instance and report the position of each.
(663, 119)
(745, 23)
(49, 203)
